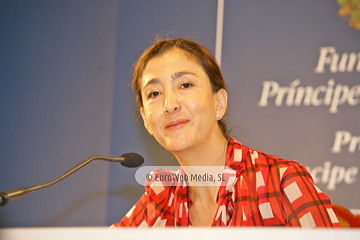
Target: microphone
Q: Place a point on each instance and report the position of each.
(130, 160)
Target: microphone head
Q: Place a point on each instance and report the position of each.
(132, 160)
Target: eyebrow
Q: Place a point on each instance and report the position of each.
(173, 77)
(180, 74)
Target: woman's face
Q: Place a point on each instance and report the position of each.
(179, 107)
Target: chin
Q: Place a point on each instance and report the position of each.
(179, 144)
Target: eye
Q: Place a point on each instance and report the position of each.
(186, 85)
(153, 94)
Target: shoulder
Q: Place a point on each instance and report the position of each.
(284, 171)
(260, 160)
(266, 165)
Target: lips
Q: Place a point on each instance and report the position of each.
(176, 124)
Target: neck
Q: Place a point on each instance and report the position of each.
(211, 152)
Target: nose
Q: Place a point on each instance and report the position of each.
(171, 103)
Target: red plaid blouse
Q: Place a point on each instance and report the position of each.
(261, 190)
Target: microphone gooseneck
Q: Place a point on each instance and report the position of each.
(130, 160)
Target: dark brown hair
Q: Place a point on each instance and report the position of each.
(193, 50)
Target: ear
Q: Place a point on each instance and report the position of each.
(221, 102)
(146, 124)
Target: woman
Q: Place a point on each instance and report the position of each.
(181, 95)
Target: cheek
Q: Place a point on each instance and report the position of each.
(152, 116)
(201, 110)
(149, 116)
